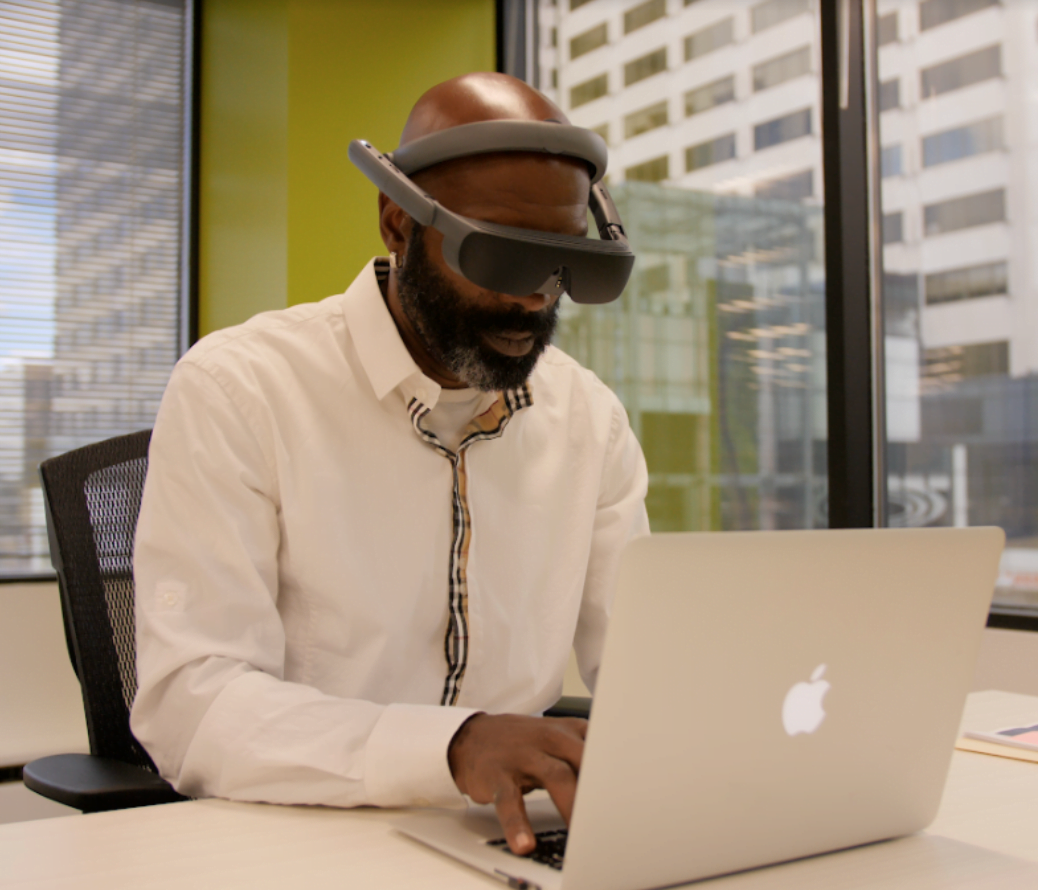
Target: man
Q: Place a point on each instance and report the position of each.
(375, 526)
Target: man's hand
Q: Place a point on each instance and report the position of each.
(498, 758)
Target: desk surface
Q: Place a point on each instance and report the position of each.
(989, 802)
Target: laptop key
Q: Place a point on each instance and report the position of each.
(550, 849)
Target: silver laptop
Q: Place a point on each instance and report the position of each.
(763, 696)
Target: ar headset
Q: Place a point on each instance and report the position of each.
(507, 259)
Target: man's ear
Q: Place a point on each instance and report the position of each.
(394, 225)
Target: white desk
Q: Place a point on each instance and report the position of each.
(990, 802)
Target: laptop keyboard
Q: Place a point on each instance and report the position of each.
(550, 849)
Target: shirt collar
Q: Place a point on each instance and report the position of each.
(382, 352)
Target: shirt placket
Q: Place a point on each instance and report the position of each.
(488, 425)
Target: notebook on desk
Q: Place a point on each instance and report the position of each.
(763, 696)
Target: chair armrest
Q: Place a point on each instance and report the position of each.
(570, 706)
(93, 784)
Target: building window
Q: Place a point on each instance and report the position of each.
(588, 91)
(591, 39)
(963, 213)
(646, 119)
(603, 131)
(644, 14)
(953, 364)
(774, 12)
(886, 28)
(782, 68)
(893, 228)
(782, 129)
(962, 142)
(964, 71)
(92, 179)
(576, 4)
(710, 95)
(656, 170)
(890, 161)
(796, 187)
(936, 12)
(953, 285)
(705, 154)
(645, 66)
(890, 94)
(707, 40)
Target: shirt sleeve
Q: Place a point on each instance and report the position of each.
(620, 517)
(213, 708)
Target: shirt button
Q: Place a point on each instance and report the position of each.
(421, 394)
(170, 598)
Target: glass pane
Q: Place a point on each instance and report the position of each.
(717, 347)
(956, 93)
(91, 193)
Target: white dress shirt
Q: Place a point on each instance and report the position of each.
(308, 580)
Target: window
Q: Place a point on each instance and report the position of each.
(970, 282)
(953, 364)
(644, 14)
(717, 349)
(603, 131)
(591, 39)
(893, 233)
(782, 68)
(588, 91)
(890, 94)
(645, 66)
(964, 71)
(576, 4)
(886, 28)
(646, 119)
(92, 175)
(795, 187)
(890, 161)
(774, 12)
(712, 152)
(962, 142)
(782, 129)
(966, 212)
(936, 12)
(655, 170)
(709, 96)
(709, 39)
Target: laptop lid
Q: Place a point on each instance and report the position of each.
(765, 696)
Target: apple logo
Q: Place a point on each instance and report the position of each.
(802, 710)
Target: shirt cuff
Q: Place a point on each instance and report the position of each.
(406, 758)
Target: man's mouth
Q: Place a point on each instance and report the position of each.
(513, 343)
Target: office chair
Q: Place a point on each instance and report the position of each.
(92, 497)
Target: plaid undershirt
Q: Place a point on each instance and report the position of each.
(488, 425)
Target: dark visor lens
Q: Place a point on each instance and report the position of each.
(508, 266)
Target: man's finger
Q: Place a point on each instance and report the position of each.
(564, 743)
(560, 781)
(511, 813)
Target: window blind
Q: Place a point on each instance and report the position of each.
(93, 95)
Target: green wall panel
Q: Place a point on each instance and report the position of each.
(286, 84)
(243, 169)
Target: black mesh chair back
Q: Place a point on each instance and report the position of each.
(92, 497)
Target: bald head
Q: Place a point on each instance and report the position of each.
(482, 96)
